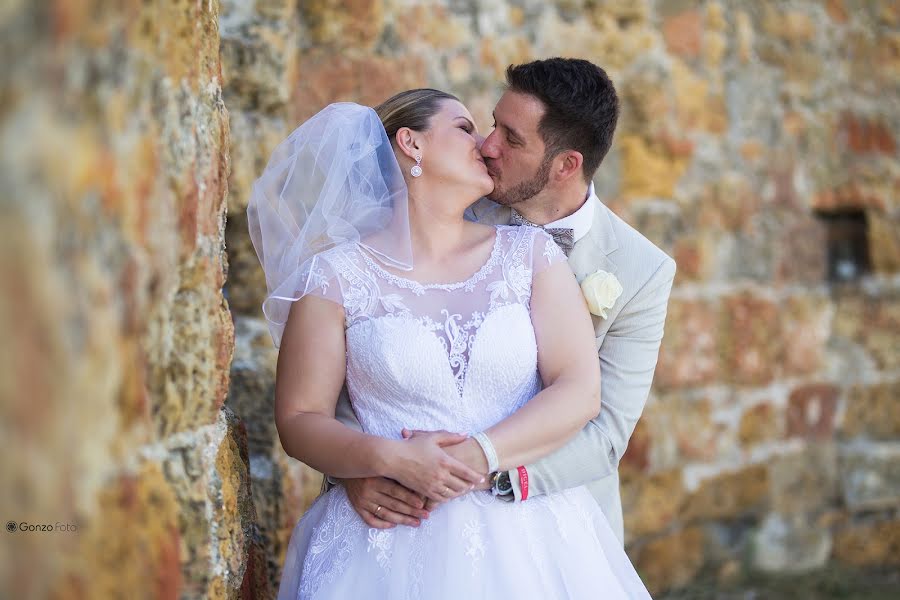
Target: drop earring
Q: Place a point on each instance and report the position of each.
(416, 170)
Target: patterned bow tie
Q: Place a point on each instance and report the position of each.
(563, 236)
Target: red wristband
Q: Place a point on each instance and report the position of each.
(523, 482)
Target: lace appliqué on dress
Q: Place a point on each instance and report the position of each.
(371, 292)
(380, 541)
(331, 547)
(475, 547)
(551, 251)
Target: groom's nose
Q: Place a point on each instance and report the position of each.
(488, 146)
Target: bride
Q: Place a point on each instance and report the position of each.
(476, 333)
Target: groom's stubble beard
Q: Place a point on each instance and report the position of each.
(527, 189)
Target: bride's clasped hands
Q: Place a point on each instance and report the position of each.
(424, 463)
(384, 503)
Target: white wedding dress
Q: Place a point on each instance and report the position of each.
(459, 357)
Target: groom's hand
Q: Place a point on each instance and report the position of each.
(399, 506)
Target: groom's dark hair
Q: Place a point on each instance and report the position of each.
(581, 106)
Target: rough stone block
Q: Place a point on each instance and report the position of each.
(729, 495)
(873, 411)
(357, 23)
(683, 34)
(806, 327)
(131, 546)
(750, 338)
(884, 241)
(872, 320)
(688, 354)
(368, 79)
(651, 503)
(868, 543)
(759, 423)
(804, 482)
(790, 545)
(870, 475)
(803, 252)
(670, 561)
(649, 170)
(811, 410)
(680, 428)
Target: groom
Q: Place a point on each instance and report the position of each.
(552, 128)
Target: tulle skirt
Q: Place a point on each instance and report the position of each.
(558, 546)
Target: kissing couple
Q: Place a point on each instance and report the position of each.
(467, 336)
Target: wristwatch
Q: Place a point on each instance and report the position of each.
(500, 483)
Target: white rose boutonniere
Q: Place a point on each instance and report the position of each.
(601, 290)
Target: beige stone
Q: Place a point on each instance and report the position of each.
(729, 495)
(806, 322)
(873, 411)
(804, 482)
(342, 22)
(870, 475)
(698, 106)
(758, 424)
(884, 242)
(790, 545)
(745, 36)
(649, 170)
(670, 561)
(652, 503)
(869, 543)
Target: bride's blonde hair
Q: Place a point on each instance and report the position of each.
(412, 108)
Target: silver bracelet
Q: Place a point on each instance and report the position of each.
(489, 452)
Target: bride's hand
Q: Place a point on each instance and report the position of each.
(468, 451)
(421, 464)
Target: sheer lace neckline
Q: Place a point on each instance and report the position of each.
(418, 287)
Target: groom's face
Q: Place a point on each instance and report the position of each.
(514, 151)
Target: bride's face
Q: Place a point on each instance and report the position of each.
(452, 154)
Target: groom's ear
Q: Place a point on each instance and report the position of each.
(408, 142)
(567, 164)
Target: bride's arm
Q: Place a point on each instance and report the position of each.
(568, 367)
(310, 373)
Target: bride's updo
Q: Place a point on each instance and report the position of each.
(412, 108)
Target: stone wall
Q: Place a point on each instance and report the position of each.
(117, 338)
(772, 436)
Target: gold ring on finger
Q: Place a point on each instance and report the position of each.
(377, 509)
(447, 491)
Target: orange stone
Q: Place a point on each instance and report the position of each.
(684, 34)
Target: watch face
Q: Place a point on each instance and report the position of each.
(504, 486)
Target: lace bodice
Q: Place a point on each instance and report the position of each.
(459, 356)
